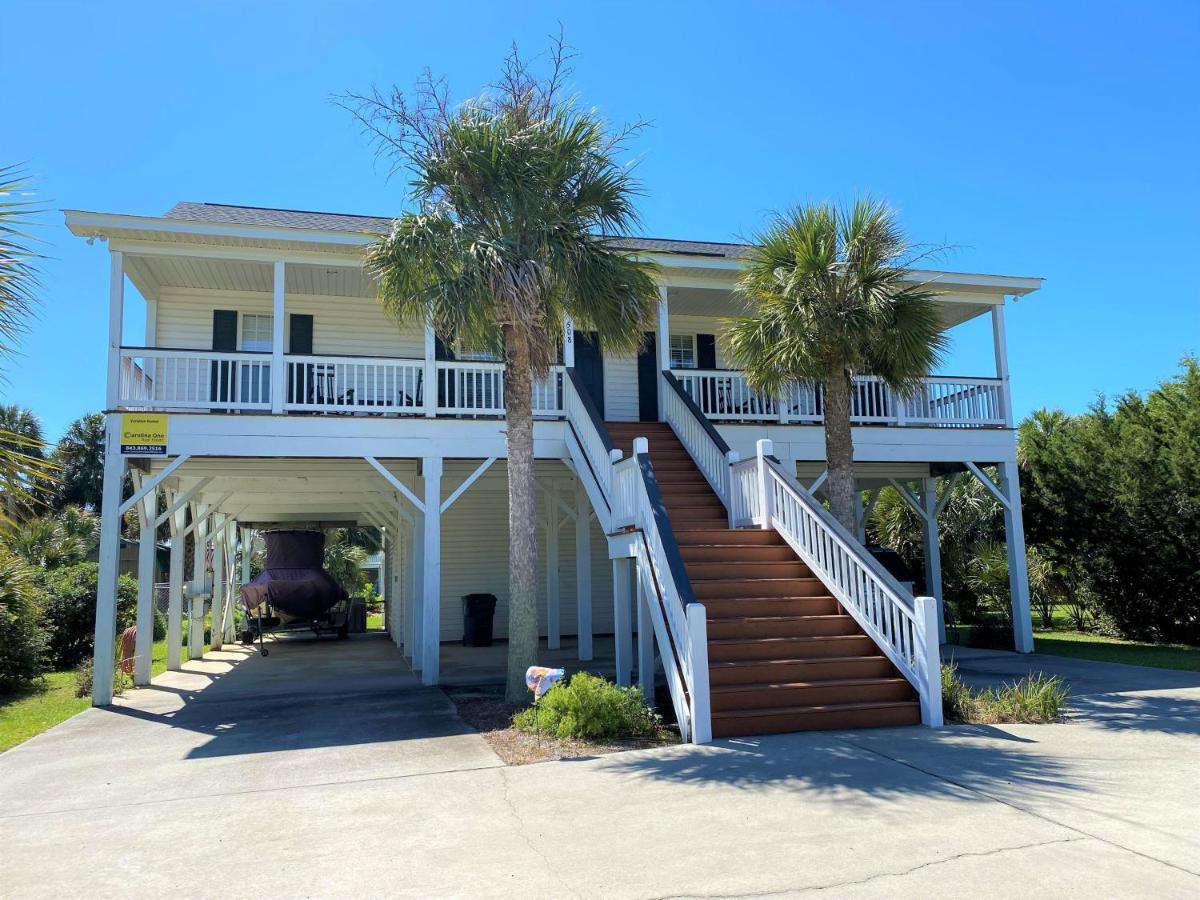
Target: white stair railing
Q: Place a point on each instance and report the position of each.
(904, 627)
(702, 442)
(626, 498)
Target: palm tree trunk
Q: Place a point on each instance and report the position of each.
(839, 449)
(522, 516)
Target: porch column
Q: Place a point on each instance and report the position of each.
(177, 521)
(430, 392)
(663, 338)
(1000, 344)
(144, 643)
(116, 311)
(553, 609)
(217, 615)
(278, 375)
(568, 342)
(413, 627)
(1018, 572)
(583, 571)
(645, 645)
(432, 570)
(195, 604)
(110, 551)
(933, 552)
(622, 574)
(860, 519)
(247, 547)
(229, 625)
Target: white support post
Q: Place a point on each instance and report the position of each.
(933, 553)
(177, 520)
(931, 659)
(860, 519)
(110, 552)
(247, 541)
(229, 626)
(1018, 571)
(663, 339)
(278, 375)
(1000, 344)
(200, 519)
(623, 618)
(583, 571)
(553, 601)
(116, 312)
(430, 393)
(645, 645)
(764, 449)
(731, 459)
(217, 617)
(568, 342)
(416, 603)
(431, 467)
(144, 642)
(697, 626)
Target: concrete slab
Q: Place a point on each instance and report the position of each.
(1082, 809)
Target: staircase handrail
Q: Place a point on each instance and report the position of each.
(680, 620)
(904, 627)
(702, 441)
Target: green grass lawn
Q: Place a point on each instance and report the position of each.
(26, 713)
(1082, 645)
(375, 622)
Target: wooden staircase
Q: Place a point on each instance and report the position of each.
(783, 655)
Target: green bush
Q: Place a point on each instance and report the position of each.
(589, 707)
(22, 637)
(83, 680)
(69, 610)
(1035, 698)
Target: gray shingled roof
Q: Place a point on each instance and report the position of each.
(323, 221)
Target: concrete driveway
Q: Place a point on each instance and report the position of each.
(227, 781)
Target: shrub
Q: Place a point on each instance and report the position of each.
(69, 610)
(22, 638)
(589, 707)
(83, 680)
(1035, 698)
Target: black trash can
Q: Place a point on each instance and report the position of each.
(478, 612)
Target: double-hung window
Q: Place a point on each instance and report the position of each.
(683, 351)
(257, 337)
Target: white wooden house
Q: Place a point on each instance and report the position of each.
(291, 397)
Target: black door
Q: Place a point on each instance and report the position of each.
(589, 363)
(647, 369)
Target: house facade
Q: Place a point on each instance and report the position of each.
(284, 395)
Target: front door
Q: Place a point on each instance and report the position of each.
(589, 363)
(647, 369)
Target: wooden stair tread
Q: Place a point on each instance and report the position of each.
(788, 661)
(824, 707)
(815, 637)
(824, 683)
(772, 619)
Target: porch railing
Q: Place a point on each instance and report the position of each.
(193, 379)
(725, 395)
(178, 379)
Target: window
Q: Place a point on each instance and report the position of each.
(683, 351)
(474, 354)
(256, 333)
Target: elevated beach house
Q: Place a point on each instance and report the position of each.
(681, 529)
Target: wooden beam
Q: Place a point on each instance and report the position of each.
(467, 482)
(152, 483)
(397, 483)
(990, 485)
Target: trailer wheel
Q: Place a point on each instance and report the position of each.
(264, 652)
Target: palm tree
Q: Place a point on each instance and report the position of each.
(80, 459)
(24, 471)
(830, 299)
(516, 195)
(22, 466)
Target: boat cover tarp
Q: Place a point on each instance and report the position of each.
(294, 581)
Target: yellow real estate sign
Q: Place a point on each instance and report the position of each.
(144, 434)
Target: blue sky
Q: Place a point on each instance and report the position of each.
(1060, 140)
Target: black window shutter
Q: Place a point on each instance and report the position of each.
(224, 340)
(301, 339)
(224, 334)
(706, 351)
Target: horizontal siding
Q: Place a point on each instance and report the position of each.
(475, 552)
(620, 388)
(354, 326)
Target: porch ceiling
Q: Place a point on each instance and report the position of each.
(150, 274)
